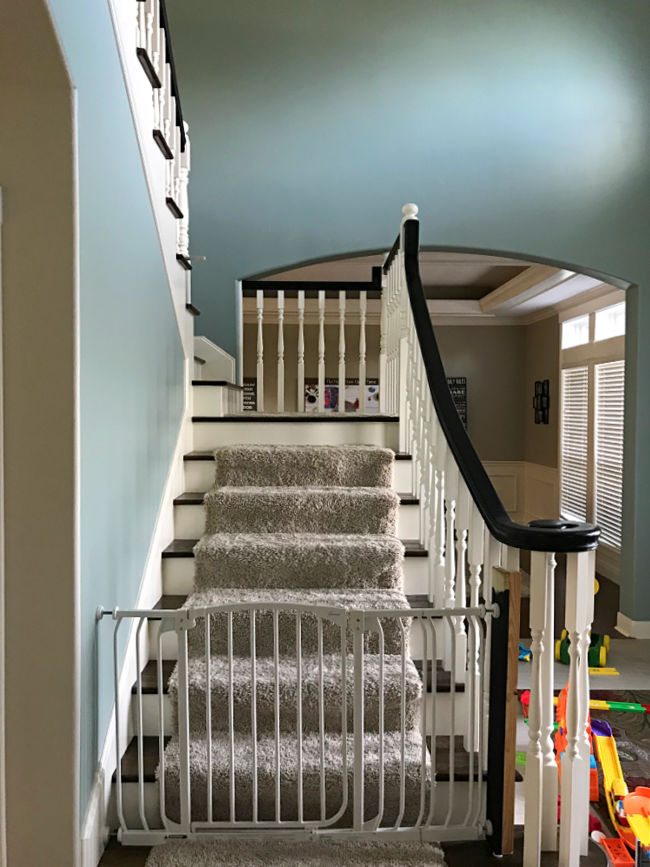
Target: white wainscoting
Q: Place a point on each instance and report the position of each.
(528, 491)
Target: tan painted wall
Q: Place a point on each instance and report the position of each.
(270, 337)
(542, 361)
(491, 357)
(39, 382)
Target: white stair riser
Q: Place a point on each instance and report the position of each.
(199, 476)
(130, 793)
(209, 435)
(189, 522)
(443, 702)
(178, 575)
(215, 400)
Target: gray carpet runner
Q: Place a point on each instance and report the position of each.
(308, 526)
(280, 853)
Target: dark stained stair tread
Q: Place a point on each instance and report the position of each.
(443, 678)
(180, 548)
(292, 419)
(149, 677)
(185, 547)
(150, 760)
(220, 382)
(170, 602)
(209, 455)
(195, 498)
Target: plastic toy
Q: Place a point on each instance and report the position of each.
(598, 649)
(637, 810)
(525, 653)
(561, 744)
(615, 788)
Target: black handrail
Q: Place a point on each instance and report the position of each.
(553, 535)
(169, 55)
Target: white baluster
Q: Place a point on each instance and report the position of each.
(301, 350)
(280, 350)
(402, 357)
(441, 459)
(183, 232)
(141, 32)
(451, 494)
(260, 350)
(149, 44)
(321, 350)
(463, 504)
(540, 716)
(475, 555)
(363, 300)
(342, 351)
(543, 571)
(579, 609)
(383, 337)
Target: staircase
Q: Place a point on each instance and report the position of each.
(333, 655)
(315, 527)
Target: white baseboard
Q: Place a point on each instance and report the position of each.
(632, 628)
(95, 826)
(94, 834)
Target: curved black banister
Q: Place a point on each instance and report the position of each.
(557, 536)
(169, 56)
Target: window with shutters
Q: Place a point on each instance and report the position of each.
(574, 434)
(591, 424)
(608, 450)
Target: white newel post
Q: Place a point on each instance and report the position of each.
(579, 610)
(363, 299)
(321, 350)
(260, 350)
(342, 351)
(280, 407)
(301, 350)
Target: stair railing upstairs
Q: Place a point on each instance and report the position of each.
(468, 533)
(343, 311)
(169, 130)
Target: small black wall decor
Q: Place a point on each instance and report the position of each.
(458, 388)
(541, 401)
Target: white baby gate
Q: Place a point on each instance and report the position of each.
(337, 753)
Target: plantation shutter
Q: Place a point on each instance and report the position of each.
(574, 440)
(608, 475)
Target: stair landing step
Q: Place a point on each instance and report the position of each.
(185, 548)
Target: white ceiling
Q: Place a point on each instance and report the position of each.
(466, 278)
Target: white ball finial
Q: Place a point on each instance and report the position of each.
(409, 212)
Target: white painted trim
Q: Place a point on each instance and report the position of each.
(541, 492)
(94, 833)
(508, 480)
(632, 628)
(219, 364)
(603, 296)
(3, 791)
(138, 91)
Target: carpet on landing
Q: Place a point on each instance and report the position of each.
(278, 853)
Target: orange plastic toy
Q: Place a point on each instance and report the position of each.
(637, 810)
(561, 744)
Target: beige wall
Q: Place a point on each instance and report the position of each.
(542, 361)
(39, 384)
(491, 357)
(270, 337)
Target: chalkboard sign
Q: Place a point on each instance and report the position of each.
(458, 388)
(250, 393)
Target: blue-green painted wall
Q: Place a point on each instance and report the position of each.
(131, 361)
(516, 125)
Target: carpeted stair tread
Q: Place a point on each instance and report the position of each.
(268, 509)
(334, 748)
(306, 465)
(332, 703)
(319, 852)
(298, 560)
(331, 600)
